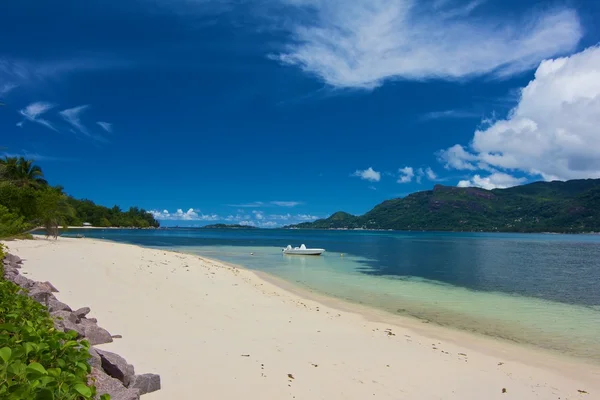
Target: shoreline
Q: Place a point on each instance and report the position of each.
(145, 271)
(492, 345)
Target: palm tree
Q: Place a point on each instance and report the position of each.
(22, 172)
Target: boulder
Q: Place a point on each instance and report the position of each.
(96, 335)
(116, 366)
(39, 295)
(22, 281)
(54, 304)
(51, 286)
(146, 383)
(95, 361)
(11, 258)
(82, 312)
(40, 292)
(108, 385)
(67, 321)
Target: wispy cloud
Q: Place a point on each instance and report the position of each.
(450, 114)
(368, 174)
(286, 203)
(33, 113)
(107, 126)
(19, 72)
(35, 156)
(5, 88)
(362, 43)
(254, 204)
(259, 204)
(71, 115)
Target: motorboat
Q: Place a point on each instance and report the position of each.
(303, 251)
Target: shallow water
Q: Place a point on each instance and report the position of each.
(541, 290)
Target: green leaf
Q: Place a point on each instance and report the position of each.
(105, 397)
(5, 354)
(8, 327)
(83, 390)
(37, 367)
(44, 394)
(83, 366)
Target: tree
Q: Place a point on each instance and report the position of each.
(53, 210)
(22, 172)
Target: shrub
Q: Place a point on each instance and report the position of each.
(36, 361)
(11, 224)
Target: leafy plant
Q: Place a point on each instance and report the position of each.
(10, 223)
(36, 361)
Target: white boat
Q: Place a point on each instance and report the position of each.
(302, 250)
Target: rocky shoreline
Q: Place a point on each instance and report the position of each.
(111, 374)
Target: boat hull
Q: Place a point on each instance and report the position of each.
(304, 252)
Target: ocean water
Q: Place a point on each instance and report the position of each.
(538, 290)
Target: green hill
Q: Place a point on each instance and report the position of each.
(572, 206)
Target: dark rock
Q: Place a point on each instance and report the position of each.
(8, 270)
(38, 295)
(82, 312)
(146, 383)
(40, 292)
(116, 366)
(51, 286)
(22, 281)
(96, 335)
(95, 361)
(13, 259)
(67, 321)
(108, 385)
(54, 304)
(94, 320)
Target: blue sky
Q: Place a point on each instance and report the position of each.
(274, 112)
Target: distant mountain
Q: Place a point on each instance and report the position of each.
(228, 226)
(570, 207)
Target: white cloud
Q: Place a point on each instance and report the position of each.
(424, 173)
(406, 175)
(362, 43)
(552, 132)
(286, 203)
(430, 174)
(180, 215)
(258, 215)
(456, 157)
(107, 126)
(368, 174)
(449, 114)
(497, 180)
(71, 115)
(33, 112)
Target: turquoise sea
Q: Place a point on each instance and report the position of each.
(535, 289)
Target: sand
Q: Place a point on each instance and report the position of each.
(215, 331)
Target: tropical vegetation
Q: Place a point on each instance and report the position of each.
(563, 207)
(37, 361)
(28, 201)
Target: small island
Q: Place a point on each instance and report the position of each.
(228, 226)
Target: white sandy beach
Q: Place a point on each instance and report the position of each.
(214, 331)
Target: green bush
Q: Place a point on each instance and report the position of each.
(11, 224)
(36, 361)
